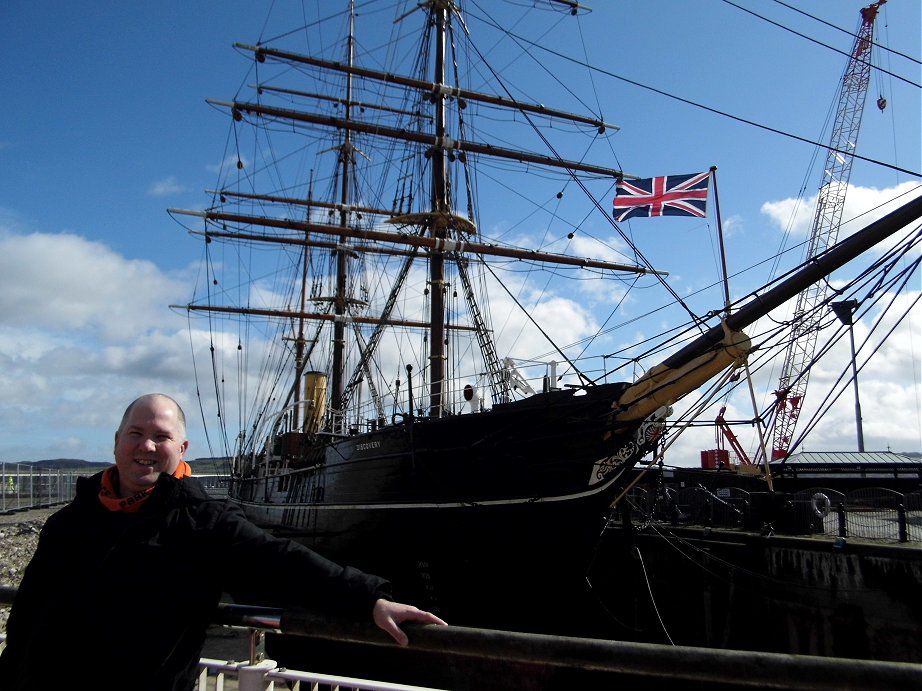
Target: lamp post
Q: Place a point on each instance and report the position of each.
(844, 311)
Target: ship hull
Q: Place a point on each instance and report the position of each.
(476, 517)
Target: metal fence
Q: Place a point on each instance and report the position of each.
(23, 486)
(874, 513)
(215, 485)
(263, 675)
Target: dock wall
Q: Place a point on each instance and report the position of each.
(748, 591)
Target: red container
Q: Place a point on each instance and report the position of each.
(715, 458)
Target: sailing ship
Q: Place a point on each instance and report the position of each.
(393, 424)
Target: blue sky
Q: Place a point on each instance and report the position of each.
(105, 125)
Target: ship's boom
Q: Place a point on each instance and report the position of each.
(720, 346)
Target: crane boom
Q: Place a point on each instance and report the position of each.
(732, 439)
(830, 203)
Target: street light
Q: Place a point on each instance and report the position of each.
(844, 311)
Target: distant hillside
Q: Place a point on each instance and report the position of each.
(211, 466)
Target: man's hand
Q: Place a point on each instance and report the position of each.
(390, 615)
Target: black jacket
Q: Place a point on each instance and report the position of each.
(123, 600)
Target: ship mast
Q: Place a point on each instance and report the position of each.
(300, 340)
(437, 233)
(440, 208)
(347, 158)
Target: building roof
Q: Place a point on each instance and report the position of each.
(851, 458)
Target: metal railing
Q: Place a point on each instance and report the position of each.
(875, 513)
(257, 673)
(23, 486)
(262, 675)
(453, 657)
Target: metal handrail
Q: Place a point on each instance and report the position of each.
(537, 653)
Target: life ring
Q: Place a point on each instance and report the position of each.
(820, 505)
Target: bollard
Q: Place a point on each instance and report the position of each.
(901, 522)
(840, 512)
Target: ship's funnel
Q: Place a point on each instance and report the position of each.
(663, 385)
(315, 397)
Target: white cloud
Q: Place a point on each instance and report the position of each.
(166, 187)
(862, 206)
(613, 249)
(733, 226)
(67, 284)
(228, 163)
(85, 330)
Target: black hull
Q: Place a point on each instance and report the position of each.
(476, 517)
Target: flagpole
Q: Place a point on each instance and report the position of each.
(720, 239)
(723, 260)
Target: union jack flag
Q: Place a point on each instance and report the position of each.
(668, 195)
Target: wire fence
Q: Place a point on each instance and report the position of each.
(24, 486)
(875, 513)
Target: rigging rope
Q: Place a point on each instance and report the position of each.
(716, 111)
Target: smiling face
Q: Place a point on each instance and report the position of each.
(151, 440)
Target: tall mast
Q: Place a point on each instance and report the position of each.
(346, 158)
(440, 207)
(299, 337)
(441, 234)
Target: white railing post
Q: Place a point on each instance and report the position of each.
(253, 677)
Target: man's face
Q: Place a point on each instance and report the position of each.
(152, 441)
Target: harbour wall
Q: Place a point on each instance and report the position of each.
(741, 590)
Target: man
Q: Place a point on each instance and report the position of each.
(126, 578)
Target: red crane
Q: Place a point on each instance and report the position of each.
(724, 429)
(830, 203)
